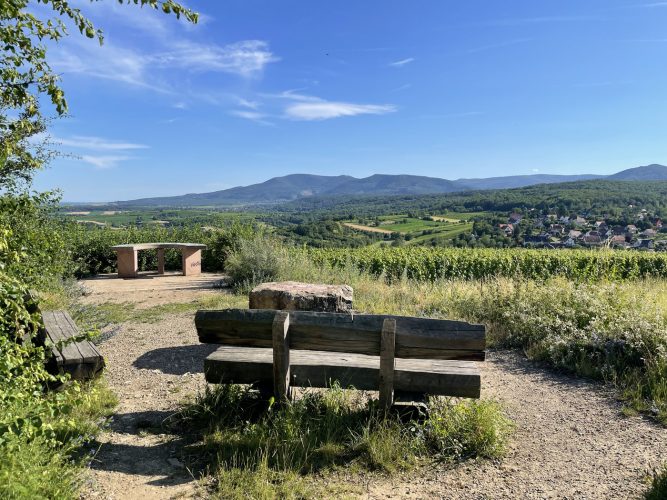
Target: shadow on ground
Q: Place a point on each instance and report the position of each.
(173, 457)
(176, 360)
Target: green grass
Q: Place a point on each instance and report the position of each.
(280, 451)
(47, 464)
(658, 487)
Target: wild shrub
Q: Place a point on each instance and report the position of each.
(256, 260)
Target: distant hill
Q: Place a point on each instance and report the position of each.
(515, 181)
(299, 186)
(653, 172)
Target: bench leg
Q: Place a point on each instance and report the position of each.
(387, 363)
(281, 371)
(191, 262)
(128, 266)
(160, 260)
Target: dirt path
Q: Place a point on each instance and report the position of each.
(570, 441)
(368, 229)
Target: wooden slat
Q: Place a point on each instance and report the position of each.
(281, 356)
(88, 350)
(387, 362)
(333, 332)
(244, 365)
(54, 330)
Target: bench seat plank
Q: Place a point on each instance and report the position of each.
(153, 246)
(80, 359)
(55, 331)
(246, 365)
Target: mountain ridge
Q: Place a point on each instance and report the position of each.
(294, 186)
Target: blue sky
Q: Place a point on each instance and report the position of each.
(441, 88)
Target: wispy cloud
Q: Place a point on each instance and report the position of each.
(498, 45)
(96, 150)
(246, 58)
(653, 4)
(254, 116)
(248, 104)
(103, 161)
(402, 62)
(402, 87)
(325, 110)
(97, 143)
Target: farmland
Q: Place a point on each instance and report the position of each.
(418, 230)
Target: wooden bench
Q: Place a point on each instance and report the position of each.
(370, 352)
(128, 257)
(80, 359)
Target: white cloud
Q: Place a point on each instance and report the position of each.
(251, 115)
(402, 62)
(103, 161)
(180, 105)
(248, 104)
(324, 110)
(97, 143)
(96, 150)
(246, 58)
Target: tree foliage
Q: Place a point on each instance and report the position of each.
(26, 76)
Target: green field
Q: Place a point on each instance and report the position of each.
(421, 230)
(144, 217)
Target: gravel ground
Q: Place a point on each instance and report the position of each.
(571, 440)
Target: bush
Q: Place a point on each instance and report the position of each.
(34, 248)
(257, 260)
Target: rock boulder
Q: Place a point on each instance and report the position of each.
(294, 296)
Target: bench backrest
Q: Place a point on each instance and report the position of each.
(416, 338)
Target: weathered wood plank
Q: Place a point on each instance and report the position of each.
(281, 356)
(53, 323)
(244, 365)
(335, 332)
(387, 362)
(80, 359)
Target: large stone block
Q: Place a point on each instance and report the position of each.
(294, 296)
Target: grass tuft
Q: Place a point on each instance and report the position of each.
(658, 488)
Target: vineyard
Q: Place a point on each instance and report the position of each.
(429, 264)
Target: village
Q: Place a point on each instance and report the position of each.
(583, 231)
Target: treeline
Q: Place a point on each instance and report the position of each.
(595, 196)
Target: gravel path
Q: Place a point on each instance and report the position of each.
(570, 441)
